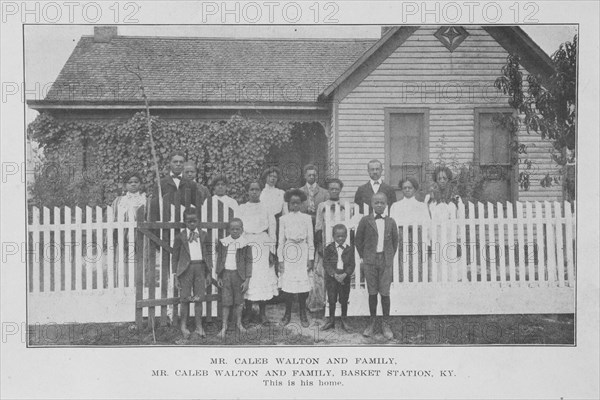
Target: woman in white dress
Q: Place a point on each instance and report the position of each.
(259, 230)
(409, 210)
(296, 251)
(271, 197)
(443, 207)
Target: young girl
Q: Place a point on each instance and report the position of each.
(259, 230)
(219, 190)
(125, 207)
(296, 251)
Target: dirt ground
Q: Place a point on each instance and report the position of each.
(408, 330)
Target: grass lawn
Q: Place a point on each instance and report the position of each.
(529, 329)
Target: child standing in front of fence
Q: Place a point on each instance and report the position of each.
(376, 242)
(297, 252)
(339, 266)
(192, 256)
(125, 207)
(234, 269)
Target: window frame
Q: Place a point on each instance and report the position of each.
(388, 111)
(514, 171)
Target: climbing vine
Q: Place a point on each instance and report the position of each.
(84, 161)
(547, 107)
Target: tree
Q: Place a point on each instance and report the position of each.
(547, 107)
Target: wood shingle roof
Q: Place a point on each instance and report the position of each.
(202, 70)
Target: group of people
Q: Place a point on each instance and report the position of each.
(277, 244)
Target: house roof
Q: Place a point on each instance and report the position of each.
(223, 72)
(208, 70)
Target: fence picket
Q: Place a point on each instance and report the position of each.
(46, 253)
(78, 245)
(57, 247)
(99, 225)
(481, 242)
(539, 232)
(472, 243)
(110, 250)
(521, 241)
(560, 258)
(35, 245)
(90, 259)
(501, 221)
(548, 239)
(491, 242)
(69, 259)
(120, 265)
(530, 243)
(462, 243)
(569, 227)
(406, 247)
(511, 241)
(444, 263)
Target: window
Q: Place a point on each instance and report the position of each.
(493, 156)
(407, 144)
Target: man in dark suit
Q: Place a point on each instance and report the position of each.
(376, 241)
(376, 185)
(190, 173)
(174, 184)
(315, 194)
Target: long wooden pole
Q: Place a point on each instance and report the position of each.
(152, 148)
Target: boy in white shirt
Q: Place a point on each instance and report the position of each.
(192, 256)
(234, 269)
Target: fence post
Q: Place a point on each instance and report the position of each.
(139, 272)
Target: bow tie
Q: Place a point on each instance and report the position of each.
(376, 183)
(378, 216)
(193, 237)
(176, 176)
(341, 246)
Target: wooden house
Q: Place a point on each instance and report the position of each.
(415, 98)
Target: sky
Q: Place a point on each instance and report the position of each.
(47, 47)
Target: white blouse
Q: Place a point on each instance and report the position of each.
(409, 211)
(272, 198)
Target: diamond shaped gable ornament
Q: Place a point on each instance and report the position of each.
(451, 36)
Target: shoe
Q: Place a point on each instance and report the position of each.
(288, 313)
(286, 319)
(329, 324)
(387, 331)
(370, 328)
(345, 325)
(303, 318)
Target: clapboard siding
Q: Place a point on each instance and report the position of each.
(422, 73)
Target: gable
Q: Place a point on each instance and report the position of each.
(510, 39)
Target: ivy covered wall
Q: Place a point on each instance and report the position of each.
(84, 161)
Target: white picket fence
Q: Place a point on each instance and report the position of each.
(81, 264)
(484, 259)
